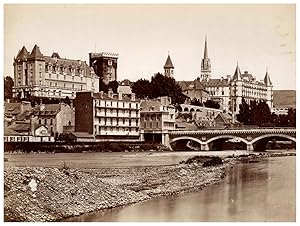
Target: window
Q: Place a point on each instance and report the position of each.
(45, 121)
(81, 87)
(72, 86)
(50, 83)
(51, 121)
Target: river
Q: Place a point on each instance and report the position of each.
(262, 191)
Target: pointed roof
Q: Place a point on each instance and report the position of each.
(36, 53)
(267, 79)
(205, 49)
(54, 54)
(237, 73)
(23, 54)
(168, 63)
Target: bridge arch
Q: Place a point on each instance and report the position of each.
(273, 135)
(187, 138)
(227, 137)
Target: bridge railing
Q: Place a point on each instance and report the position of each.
(256, 130)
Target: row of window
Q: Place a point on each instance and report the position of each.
(111, 120)
(111, 111)
(117, 129)
(115, 104)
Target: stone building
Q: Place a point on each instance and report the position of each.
(108, 117)
(157, 118)
(228, 91)
(55, 117)
(39, 75)
(105, 66)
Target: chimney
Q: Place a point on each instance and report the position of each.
(133, 97)
(110, 93)
(120, 96)
(229, 77)
(32, 123)
(101, 94)
(25, 105)
(42, 107)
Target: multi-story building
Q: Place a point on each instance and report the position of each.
(157, 118)
(230, 91)
(194, 90)
(39, 75)
(105, 66)
(57, 118)
(108, 117)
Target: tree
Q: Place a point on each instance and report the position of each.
(67, 101)
(8, 84)
(211, 104)
(166, 86)
(159, 86)
(244, 113)
(142, 89)
(263, 114)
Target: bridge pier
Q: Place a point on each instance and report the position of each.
(204, 147)
(250, 147)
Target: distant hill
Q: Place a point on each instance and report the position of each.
(284, 98)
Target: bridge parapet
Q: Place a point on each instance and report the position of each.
(247, 136)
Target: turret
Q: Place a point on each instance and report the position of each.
(269, 94)
(169, 68)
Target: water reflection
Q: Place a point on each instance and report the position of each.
(263, 191)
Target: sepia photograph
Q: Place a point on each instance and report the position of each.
(144, 112)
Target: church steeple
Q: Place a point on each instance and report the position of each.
(267, 79)
(205, 49)
(237, 74)
(169, 68)
(205, 64)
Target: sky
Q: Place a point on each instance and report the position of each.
(259, 37)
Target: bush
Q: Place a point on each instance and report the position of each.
(214, 161)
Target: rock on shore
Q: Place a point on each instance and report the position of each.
(50, 194)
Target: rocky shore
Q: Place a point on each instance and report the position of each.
(52, 194)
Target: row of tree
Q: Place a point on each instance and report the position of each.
(258, 113)
(159, 85)
(209, 103)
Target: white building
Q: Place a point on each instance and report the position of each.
(157, 119)
(51, 76)
(108, 117)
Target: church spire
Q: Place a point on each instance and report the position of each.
(205, 64)
(205, 49)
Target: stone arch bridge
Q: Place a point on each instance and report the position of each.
(255, 139)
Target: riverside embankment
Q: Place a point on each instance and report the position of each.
(51, 194)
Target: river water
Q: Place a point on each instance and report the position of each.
(262, 191)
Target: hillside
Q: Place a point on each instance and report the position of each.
(284, 98)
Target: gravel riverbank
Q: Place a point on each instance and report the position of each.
(52, 194)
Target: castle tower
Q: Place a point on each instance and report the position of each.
(169, 68)
(36, 67)
(105, 65)
(268, 83)
(205, 64)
